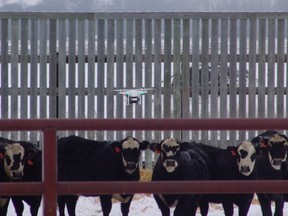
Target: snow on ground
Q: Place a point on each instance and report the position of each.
(142, 205)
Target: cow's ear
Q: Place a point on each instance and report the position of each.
(144, 145)
(2, 150)
(232, 150)
(260, 143)
(31, 152)
(117, 146)
(184, 145)
(155, 147)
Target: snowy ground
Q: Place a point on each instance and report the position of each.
(142, 205)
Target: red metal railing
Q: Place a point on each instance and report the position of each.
(49, 187)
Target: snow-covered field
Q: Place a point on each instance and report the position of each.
(142, 205)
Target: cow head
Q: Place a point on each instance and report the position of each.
(130, 148)
(245, 156)
(15, 156)
(276, 148)
(169, 150)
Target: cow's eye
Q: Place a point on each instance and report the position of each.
(165, 148)
(8, 160)
(243, 153)
(253, 157)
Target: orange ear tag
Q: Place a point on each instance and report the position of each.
(263, 145)
(157, 151)
(30, 162)
(117, 149)
(1, 156)
(233, 153)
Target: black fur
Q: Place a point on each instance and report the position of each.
(81, 159)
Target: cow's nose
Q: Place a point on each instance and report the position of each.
(277, 161)
(16, 175)
(245, 169)
(131, 165)
(170, 162)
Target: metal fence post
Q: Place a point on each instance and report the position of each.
(49, 172)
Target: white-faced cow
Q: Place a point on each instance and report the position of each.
(272, 147)
(179, 161)
(81, 159)
(20, 161)
(233, 163)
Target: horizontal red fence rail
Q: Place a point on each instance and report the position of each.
(144, 124)
(50, 187)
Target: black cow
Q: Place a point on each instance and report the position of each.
(233, 163)
(179, 161)
(81, 159)
(20, 161)
(273, 152)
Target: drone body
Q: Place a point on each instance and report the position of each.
(133, 96)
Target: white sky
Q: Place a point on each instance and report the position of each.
(23, 2)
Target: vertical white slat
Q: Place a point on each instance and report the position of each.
(34, 76)
(148, 84)
(223, 78)
(242, 74)
(233, 76)
(24, 74)
(177, 72)
(120, 73)
(100, 72)
(91, 109)
(157, 73)
(167, 72)
(14, 74)
(81, 72)
(62, 72)
(138, 71)
(195, 73)
(62, 68)
(261, 69)
(43, 30)
(280, 69)
(43, 80)
(129, 65)
(186, 86)
(72, 69)
(110, 72)
(205, 76)
(53, 104)
(271, 69)
(286, 61)
(4, 71)
(252, 73)
(214, 86)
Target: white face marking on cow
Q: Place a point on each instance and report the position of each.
(13, 162)
(246, 162)
(170, 148)
(276, 161)
(131, 155)
(130, 143)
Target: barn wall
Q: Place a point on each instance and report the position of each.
(67, 65)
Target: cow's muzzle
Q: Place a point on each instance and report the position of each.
(131, 166)
(170, 162)
(16, 176)
(277, 161)
(245, 169)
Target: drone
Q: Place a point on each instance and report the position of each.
(133, 96)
